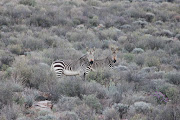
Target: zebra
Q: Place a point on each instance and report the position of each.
(109, 61)
(75, 67)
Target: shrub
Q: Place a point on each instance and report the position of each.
(28, 101)
(82, 36)
(70, 88)
(68, 103)
(139, 60)
(6, 58)
(129, 47)
(149, 17)
(84, 112)
(129, 57)
(172, 93)
(142, 107)
(110, 114)
(15, 49)
(152, 61)
(6, 94)
(169, 112)
(115, 93)
(40, 21)
(109, 34)
(100, 77)
(28, 2)
(94, 88)
(67, 115)
(93, 102)
(174, 78)
(121, 108)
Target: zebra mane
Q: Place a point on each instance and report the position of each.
(82, 58)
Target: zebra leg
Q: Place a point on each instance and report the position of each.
(84, 76)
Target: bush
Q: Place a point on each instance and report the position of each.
(149, 17)
(139, 60)
(115, 93)
(94, 88)
(99, 77)
(174, 78)
(15, 49)
(109, 34)
(129, 57)
(93, 102)
(6, 94)
(172, 93)
(40, 21)
(70, 88)
(68, 103)
(129, 47)
(152, 61)
(82, 36)
(67, 115)
(111, 114)
(84, 112)
(28, 2)
(142, 107)
(6, 58)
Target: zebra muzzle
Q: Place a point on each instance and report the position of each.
(91, 62)
(114, 61)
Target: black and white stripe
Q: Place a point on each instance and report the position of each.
(76, 67)
(106, 63)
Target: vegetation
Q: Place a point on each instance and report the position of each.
(34, 33)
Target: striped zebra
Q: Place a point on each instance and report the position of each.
(75, 67)
(106, 62)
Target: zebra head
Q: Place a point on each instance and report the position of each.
(90, 55)
(114, 54)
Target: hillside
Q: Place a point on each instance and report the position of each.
(143, 85)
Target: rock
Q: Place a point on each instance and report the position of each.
(137, 50)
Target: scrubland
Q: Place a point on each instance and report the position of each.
(144, 85)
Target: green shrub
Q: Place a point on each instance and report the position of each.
(70, 88)
(6, 58)
(15, 49)
(93, 102)
(172, 93)
(111, 114)
(94, 88)
(109, 34)
(6, 93)
(99, 76)
(128, 57)
(28, 2)
(84, 112)
(174, 78)
(129, 47)
(40, 21)
(139, 60)
(152, 61)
